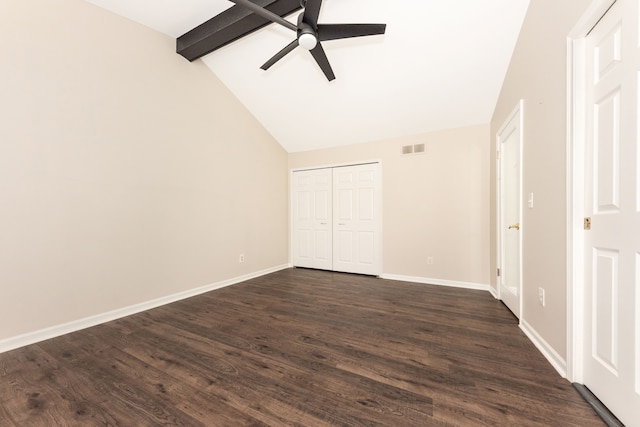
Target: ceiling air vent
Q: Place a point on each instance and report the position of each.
(418, 148)
(407, 149)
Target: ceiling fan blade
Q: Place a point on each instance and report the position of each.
(344, 31)
(278, 56)
(266, 14)
(323, 61)
(311, 12)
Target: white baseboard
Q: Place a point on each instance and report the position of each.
(12, 343)
(76, 325)
(440, 282)
(558, 363)
(547, 351)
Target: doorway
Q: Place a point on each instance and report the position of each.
(509, 179)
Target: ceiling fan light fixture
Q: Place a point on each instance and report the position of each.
(308, 40)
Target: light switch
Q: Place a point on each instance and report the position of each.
(530, 200)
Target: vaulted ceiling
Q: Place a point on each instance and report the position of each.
(440, 65)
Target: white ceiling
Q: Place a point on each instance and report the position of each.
(440, 65)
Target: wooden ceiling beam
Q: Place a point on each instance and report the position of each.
(229, 26)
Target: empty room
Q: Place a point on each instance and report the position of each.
(431, 218)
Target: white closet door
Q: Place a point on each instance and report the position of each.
(312, 219)
(356, 219)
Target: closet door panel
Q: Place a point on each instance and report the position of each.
(312, 219)
(357, 219)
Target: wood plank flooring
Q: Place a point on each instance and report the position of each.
(296, 348)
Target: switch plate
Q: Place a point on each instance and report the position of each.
(541, 296)
(530, 201)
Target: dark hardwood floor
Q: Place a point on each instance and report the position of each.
(296, 348)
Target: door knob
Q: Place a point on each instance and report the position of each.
(516, 226)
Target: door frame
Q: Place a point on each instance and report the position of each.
(576, 140)
(331, 166)
(518, 112)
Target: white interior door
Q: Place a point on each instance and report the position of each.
(312, 219)
(611, 353)
(356, 242)
(509, 141)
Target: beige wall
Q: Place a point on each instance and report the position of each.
(126, 172)
(435, 204)
(538, 74)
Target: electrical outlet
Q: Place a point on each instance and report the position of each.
(541, 298)
(430, 260)
(241, 258)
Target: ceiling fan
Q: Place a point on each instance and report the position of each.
(310, 33)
